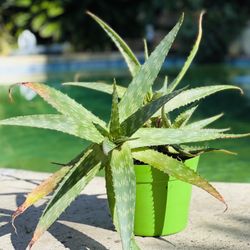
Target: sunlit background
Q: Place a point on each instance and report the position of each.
(55, 41)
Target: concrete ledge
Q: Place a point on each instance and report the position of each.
(87, 225)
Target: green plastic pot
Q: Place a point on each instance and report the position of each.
(162, 202)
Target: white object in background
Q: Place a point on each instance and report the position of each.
(27, 41)
(27, 93)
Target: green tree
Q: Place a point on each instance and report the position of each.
(60, 21)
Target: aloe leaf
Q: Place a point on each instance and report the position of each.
(123, 175)
(100, 86)
(64, 104)
(203, 123)
(110, 193)
(127, 53)
(195, 94)
(57, 122)
(190, 58)
(166, 122)
(111, 202)
(144, 79)
(107, 146)
(145, 49)
(184, 152)
(103, 131)
(182, 119)
(137, 119)
(134, 245)
(176, 169)
(115, 129)
(161, 136)
(164, 87)
(219, 150)
(70, 187)
(200, 150)
(177, 151)
(45, 188)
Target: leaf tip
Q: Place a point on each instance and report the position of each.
(202, 13)
(92, 15)
(182, 18)
(220, 198)
(241, 91)
(31, 244)
(19, 211)
(200, 21)
(88, 12)
(35, 237)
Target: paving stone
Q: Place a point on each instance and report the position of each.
(86, 224)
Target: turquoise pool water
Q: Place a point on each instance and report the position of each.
(35, 148)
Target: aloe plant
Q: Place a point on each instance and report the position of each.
(140, 129)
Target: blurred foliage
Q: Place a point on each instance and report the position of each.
(223, 23)
(59, 21)
(65, 20)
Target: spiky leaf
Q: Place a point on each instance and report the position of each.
(64, 104)
(176, 169)
(164, 88)
(59, 123)
(191, 95)
(107, 146)
(184, 152)
(182, 119)
(195, 150)
(70, 187)
(111, 202)
(127, 53)
(46, 187)
(99, 86)
(190, 58)
(110, 193)
(204, 122)
(143, 81)
(137, 119)
(161, 136)
(123, 175)
(146, 54)
(166, 122)
(115, 128)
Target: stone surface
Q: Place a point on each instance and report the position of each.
(86, 224)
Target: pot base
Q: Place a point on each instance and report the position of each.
(162, 202)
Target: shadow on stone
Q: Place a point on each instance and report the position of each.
(237, 227)
(90, 210)
(86, 209)
(73, 239)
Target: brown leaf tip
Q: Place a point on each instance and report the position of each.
(19, 211)
(36, 236)
(31, 244)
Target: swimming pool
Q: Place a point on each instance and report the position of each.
(35, 149)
